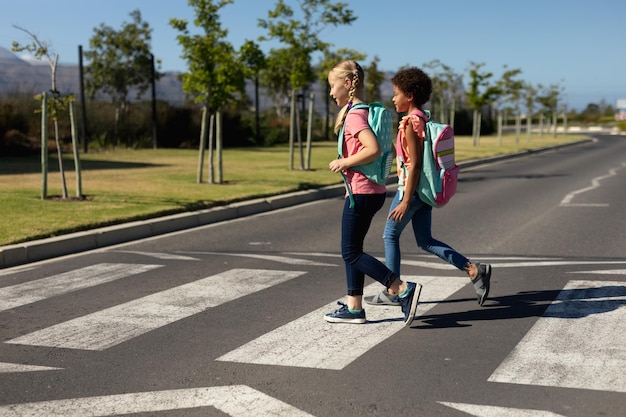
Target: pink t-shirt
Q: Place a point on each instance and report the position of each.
(356, 121)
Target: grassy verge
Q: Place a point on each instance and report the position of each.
(123, 185)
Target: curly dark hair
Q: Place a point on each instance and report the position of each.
(416, 82)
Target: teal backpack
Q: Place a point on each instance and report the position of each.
(439, 176)
(380, 121)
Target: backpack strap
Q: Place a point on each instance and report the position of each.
(340, 149)
(425, 116)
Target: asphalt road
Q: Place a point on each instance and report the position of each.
(226, 319)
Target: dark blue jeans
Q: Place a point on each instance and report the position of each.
(355, 223)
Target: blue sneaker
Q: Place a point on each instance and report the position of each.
(409, 302)
(343, 315)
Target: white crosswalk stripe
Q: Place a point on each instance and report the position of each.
(30, 292)
(311, 342)
(6, 368)
(234, 400)
(579, 342)
(480, 410)
(109, 327)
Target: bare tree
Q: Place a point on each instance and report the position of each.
(56, 105)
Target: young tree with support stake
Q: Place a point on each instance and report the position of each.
(301, 37)
(480, 94)
(215, 73)
(53, 104)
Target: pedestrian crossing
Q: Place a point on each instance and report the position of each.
(112, 326)
(587, 316)
(310, 342)
(21, 294)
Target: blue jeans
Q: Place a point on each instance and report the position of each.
(355, 223)
(420, 214)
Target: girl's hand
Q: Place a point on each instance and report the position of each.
(337, 165)
(398, 213)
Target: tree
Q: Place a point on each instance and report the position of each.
(447, 90)
(510, 90)
(550, 102)
(481, 93)
(254, 61)
(215, 73)
(529, 93)
(276, 79)
(373, 81)
(55, 106)
(120, 61)
(301, 37)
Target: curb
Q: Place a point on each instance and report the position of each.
(38, 250)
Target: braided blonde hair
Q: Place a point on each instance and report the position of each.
(352, 70)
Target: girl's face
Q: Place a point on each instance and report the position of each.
(339, 89)
(401, 101)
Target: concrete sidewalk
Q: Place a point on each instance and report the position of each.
(38, 250)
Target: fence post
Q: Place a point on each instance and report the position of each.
(79, 182)
(44, 145)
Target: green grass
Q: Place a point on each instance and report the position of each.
(123, 185)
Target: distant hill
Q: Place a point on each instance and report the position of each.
(20, 76)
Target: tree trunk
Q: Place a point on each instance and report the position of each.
(299, 136)
(203, 135)
(500, 128)
(292, 116)
(475, 128)
(77, 167)
(309, 132)
(44, 146)
(60, 157)
(218, 145)
(211, 138)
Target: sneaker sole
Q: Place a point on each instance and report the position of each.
(416, 297)
(349, 321)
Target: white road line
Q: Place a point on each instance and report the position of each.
(16, 270)
(553, 263)
(109, 327)
(595, 183)
(161, 255)
(6, 367)
(37, 290)
(311, 342)
(579, 342)
(273, 258)
(479, 410)
(602, 272)
(432, 265)
(235, 401)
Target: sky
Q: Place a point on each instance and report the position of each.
(577, 45)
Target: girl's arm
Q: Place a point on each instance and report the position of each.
(369, 152)
(416, 147)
